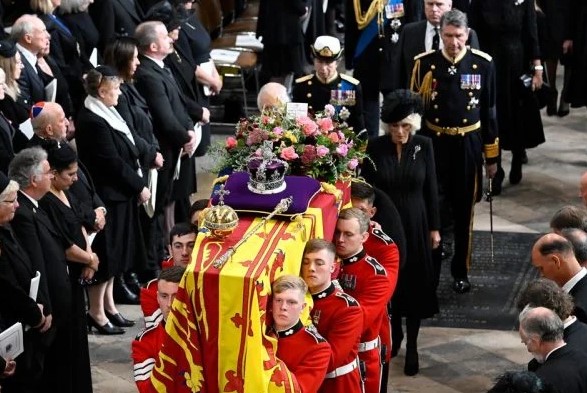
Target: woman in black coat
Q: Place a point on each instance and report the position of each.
(112, 152)
(75, 15)
(280, 26)
(122, 55)
(507, 30)
(405, 170)
(16, 272)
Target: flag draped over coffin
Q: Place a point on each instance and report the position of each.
(217, 337)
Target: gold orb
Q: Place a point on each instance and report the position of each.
(220, 220)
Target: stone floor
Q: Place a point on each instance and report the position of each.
(451, 360)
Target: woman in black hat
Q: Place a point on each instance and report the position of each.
(405, 170)
(11, 63)
(113, 154)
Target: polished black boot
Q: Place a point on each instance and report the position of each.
(497, 181)
(132, 282)
(412, 365)
(122, 294)
(516, 169)
(397, 335)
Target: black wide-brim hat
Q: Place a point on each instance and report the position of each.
(399, 104)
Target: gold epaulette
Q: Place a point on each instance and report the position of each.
(350, 79)
(422, 85)
(492, 150)
(423, 54)
(482, 54)
(304, 78)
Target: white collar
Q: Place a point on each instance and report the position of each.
(569, 321)
(160, 63)
(34, 201)
(430, 27)
(548, 354)
(573, 281)
(28, 55)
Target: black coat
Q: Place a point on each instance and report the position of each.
(566, 370)
(46, 249)
(32, 87)
(401, 56)
(411, 185)
(508, 33)
(110, 157)
(84, 30)
(579, 294)
(7, 132)
(114, 18)
(16, 272)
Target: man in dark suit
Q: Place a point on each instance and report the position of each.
(46, 249)
(115, 18)
(545, 293)
(553, 256)
(415, 38)
(31, 37)
(173, 114)
(562, 366)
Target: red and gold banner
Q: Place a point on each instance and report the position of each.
(216, 331)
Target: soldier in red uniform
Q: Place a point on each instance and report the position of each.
(303, 350)
(383, 248)
(146, 346)
(366, 280)
(336, 315)
(182, 238)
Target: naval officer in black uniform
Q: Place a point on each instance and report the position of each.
(326, 86)
(457, 85)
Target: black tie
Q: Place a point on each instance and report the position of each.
(435, 39)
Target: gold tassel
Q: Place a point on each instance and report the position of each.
(363, 19)
(299, 220)
(331, 189)
(424, 87)
(221, 179)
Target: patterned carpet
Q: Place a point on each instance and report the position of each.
(491, 304)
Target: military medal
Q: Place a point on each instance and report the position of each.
(452, 70)
(476, 80)
(473, 102)
(394, 10)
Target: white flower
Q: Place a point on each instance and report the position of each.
(344, 113)
(518, 2)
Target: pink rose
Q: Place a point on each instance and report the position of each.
(307, 125)
(278, 130)
(333, 136)
(265, 119)
(342, 150)
(325, 124)
(329, 110)
(289, 154)
(231, 142)
(322, 150)
(353, 164)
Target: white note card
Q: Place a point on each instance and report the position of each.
(294, 110)
(11, 341)
(34, 290)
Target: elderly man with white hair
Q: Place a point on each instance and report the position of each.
(327, 86)
(272, 95)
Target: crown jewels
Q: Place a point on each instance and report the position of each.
(266, 173)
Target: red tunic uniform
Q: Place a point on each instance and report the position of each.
(149, 304)
(306, 354)
(381, 247)
(366, 280)
(145, 349)
(338, 317)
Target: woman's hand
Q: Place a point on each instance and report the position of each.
(144, 195)
(9, 369)
(435, 239)
(158, 162)
(537, 80)
(87, 274)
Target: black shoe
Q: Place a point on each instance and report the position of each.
(118, 320)
(563, 109)
(412, 365)
(524, 157)
(497, 182)
(122, 294)
(132, 282)
(516, 171)
(395, 348)
(551, 106)
(461, 285)
(107, 329)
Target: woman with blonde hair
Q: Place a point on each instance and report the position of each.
(11, 64)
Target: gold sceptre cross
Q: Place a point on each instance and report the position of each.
(282, 206)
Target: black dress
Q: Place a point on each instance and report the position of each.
(577, 88)
(508, 32)
(411, 184)
(66, 220)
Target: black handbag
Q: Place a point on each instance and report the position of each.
(543, 95)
